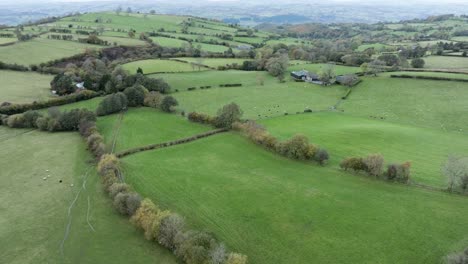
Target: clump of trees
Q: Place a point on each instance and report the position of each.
(54, 121)
(277, 66)
(227, 115)
(62, 84)
(455, 170)
(112, 103)
(373, 165)
(327, 74)
(418, 63)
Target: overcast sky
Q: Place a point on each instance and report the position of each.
(250, 1)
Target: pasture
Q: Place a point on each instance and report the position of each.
(159, 66)
(158, 126)
(424, 103)
(317, 67)
(7, 40)
(256, 100)
(214, 62)
(35, 218)
(343, 136)
(446, 62)
(24, 87)
(41, 50)
(280, 211)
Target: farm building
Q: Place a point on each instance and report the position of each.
(305, 76)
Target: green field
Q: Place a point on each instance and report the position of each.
(182, 81)
(316, 68)
(280, 211)
(257, 101)
(35, 211)
(7, 40)
(214, 63)
(424, 103)
(376, 46)
(158, 126)
(345, 136)
(169, 42)
(446, 62)
(41, 50)
(24, 87)
(156, 65)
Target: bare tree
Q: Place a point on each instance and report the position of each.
(456, 170)
(327, 74)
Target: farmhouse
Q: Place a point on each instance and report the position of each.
(305, 76)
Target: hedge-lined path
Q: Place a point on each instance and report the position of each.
(170, 143)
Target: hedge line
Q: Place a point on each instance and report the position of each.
(170, 143)
(11, 109)
(428, 78)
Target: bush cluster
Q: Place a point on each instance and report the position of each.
(373, 165)
(201, 118)
(13, 67)
(112, 103)
(298, 147)
(55, 121)
(11, 109)
(458, 258)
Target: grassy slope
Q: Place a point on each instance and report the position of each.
(345, 136)
(446, 62)
(41, 50)
(318, 67)
(214, 62)
(281, 211)
(7, 40)
(157, 126)
(155, 65)
(257, 101)
(34, 215)
(426, 103)
(23, 87)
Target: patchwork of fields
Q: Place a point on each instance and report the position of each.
(261, 204)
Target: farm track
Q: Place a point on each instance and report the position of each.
(116, 130)
(69, 212)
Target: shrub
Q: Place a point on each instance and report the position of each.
(16, 121)
(127, 203)
(70, 120)
(108, 162)
(374, 164)
(170, 226)
(458, 258)
(321, 156)
(168, 104)
(353, 163)
(135, 95)
(153, 99)
(148, 217)
(227, 115)
(455, 170)
(399, 172)
(236, 258)
(194, 247)
(86, 128)
(62, 84)
(111, 104)
(201, 118)
(418, 63)
(218, 254)
(117, 188)
(297, 147)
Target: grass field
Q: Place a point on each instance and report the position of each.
(41, 50)
(376, 46)
(280, 211)
(158, 126)
(446, 62)
(460, 38)
(24, 87)
(184, 80)
(345, 136)
(214, 62)
(318, 67)
(155, 66)
(257, 101)
(169, 42)
(35, 211)
(424, 103)
(7, 40)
